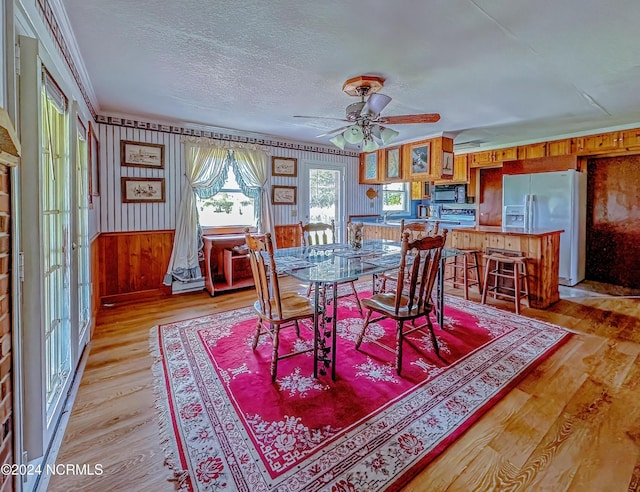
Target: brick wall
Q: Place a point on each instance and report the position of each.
(6, 398)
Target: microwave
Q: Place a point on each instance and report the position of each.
(449, 193)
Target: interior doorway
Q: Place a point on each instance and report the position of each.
(613, 221)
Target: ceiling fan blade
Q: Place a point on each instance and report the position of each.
(332, 132)
(375, 104)
(410, 118)
(320, 118)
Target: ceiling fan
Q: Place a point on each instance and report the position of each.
(365, 128)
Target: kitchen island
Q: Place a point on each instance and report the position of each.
(540, 246)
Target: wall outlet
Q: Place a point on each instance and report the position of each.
(294, 213)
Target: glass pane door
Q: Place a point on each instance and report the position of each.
(82, 240)
(325, 196)
(55, 220)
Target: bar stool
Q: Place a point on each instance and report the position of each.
(468, 264)
(506, 267)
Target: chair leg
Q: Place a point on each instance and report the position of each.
(525, 280)
(274, 354)
(434, 340)
(516, 287)
(297, 328)
(364, 327)
(309, 290)
(399, 340)
(256, 337)
(485, 284)
(465, 278)
(355, 294)
(477, 269)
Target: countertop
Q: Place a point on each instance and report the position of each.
(509, 231)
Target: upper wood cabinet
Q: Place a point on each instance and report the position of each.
(600, 143)
(418, 161)
(391, 164)
(460, 170)
(488, 158)
(560, 147)
(370, 168)
(630, 139)
(532, 151)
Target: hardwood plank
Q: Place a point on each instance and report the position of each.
(572, 424)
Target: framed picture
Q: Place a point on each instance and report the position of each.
(284, 166)
(141, 154)
(94, 163)
(284, 195)
(447, 165)
(393, 170)
(142, 190)
(420, 159)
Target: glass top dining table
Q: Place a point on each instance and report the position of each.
(331, 264)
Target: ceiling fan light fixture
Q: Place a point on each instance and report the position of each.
(353, 134)
(369, 145)
(338, 141)
(387, 135)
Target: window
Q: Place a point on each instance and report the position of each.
(228, 207)
(395, 197)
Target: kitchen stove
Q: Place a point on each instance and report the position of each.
(454, 216)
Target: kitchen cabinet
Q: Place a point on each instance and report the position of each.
(420, 190)
(460, 171)
(490, 158)
(532, 151)
(630, 139)
(598, 144)
(422, 160)
(370, 169)
(390, 164)
(560, 147)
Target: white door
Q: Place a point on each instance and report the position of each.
(322, 199)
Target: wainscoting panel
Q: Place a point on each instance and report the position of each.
(132, 264)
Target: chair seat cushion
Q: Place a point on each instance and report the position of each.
(293, 305)
(385, 302)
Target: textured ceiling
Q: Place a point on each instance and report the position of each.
(498, 71)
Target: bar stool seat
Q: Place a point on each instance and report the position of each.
(501, 266)
(461, 265)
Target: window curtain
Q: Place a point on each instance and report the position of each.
(251, 167)
(205, 172)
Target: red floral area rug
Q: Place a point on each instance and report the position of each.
(226, 426)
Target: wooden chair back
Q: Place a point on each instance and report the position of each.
(315, 233)
(418, 230)
(418, 277)
(263, 267)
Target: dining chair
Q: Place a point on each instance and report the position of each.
(417, 230)
(316, 234)
(412, 297)
(275, 308)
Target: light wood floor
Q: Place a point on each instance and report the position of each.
(572, 424)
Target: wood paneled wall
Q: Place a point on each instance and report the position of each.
(132, 265)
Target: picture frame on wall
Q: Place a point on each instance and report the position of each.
(420, 162)
(284, 195)
(141, 154)
(447, 165)
(142, 190)
(284, 166)
(393, 168)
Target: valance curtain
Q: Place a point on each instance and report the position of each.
(206, 167)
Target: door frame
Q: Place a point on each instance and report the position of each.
(303, 192)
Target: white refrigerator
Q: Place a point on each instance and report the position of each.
(552, 201)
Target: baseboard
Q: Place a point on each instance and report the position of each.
(135, 296)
